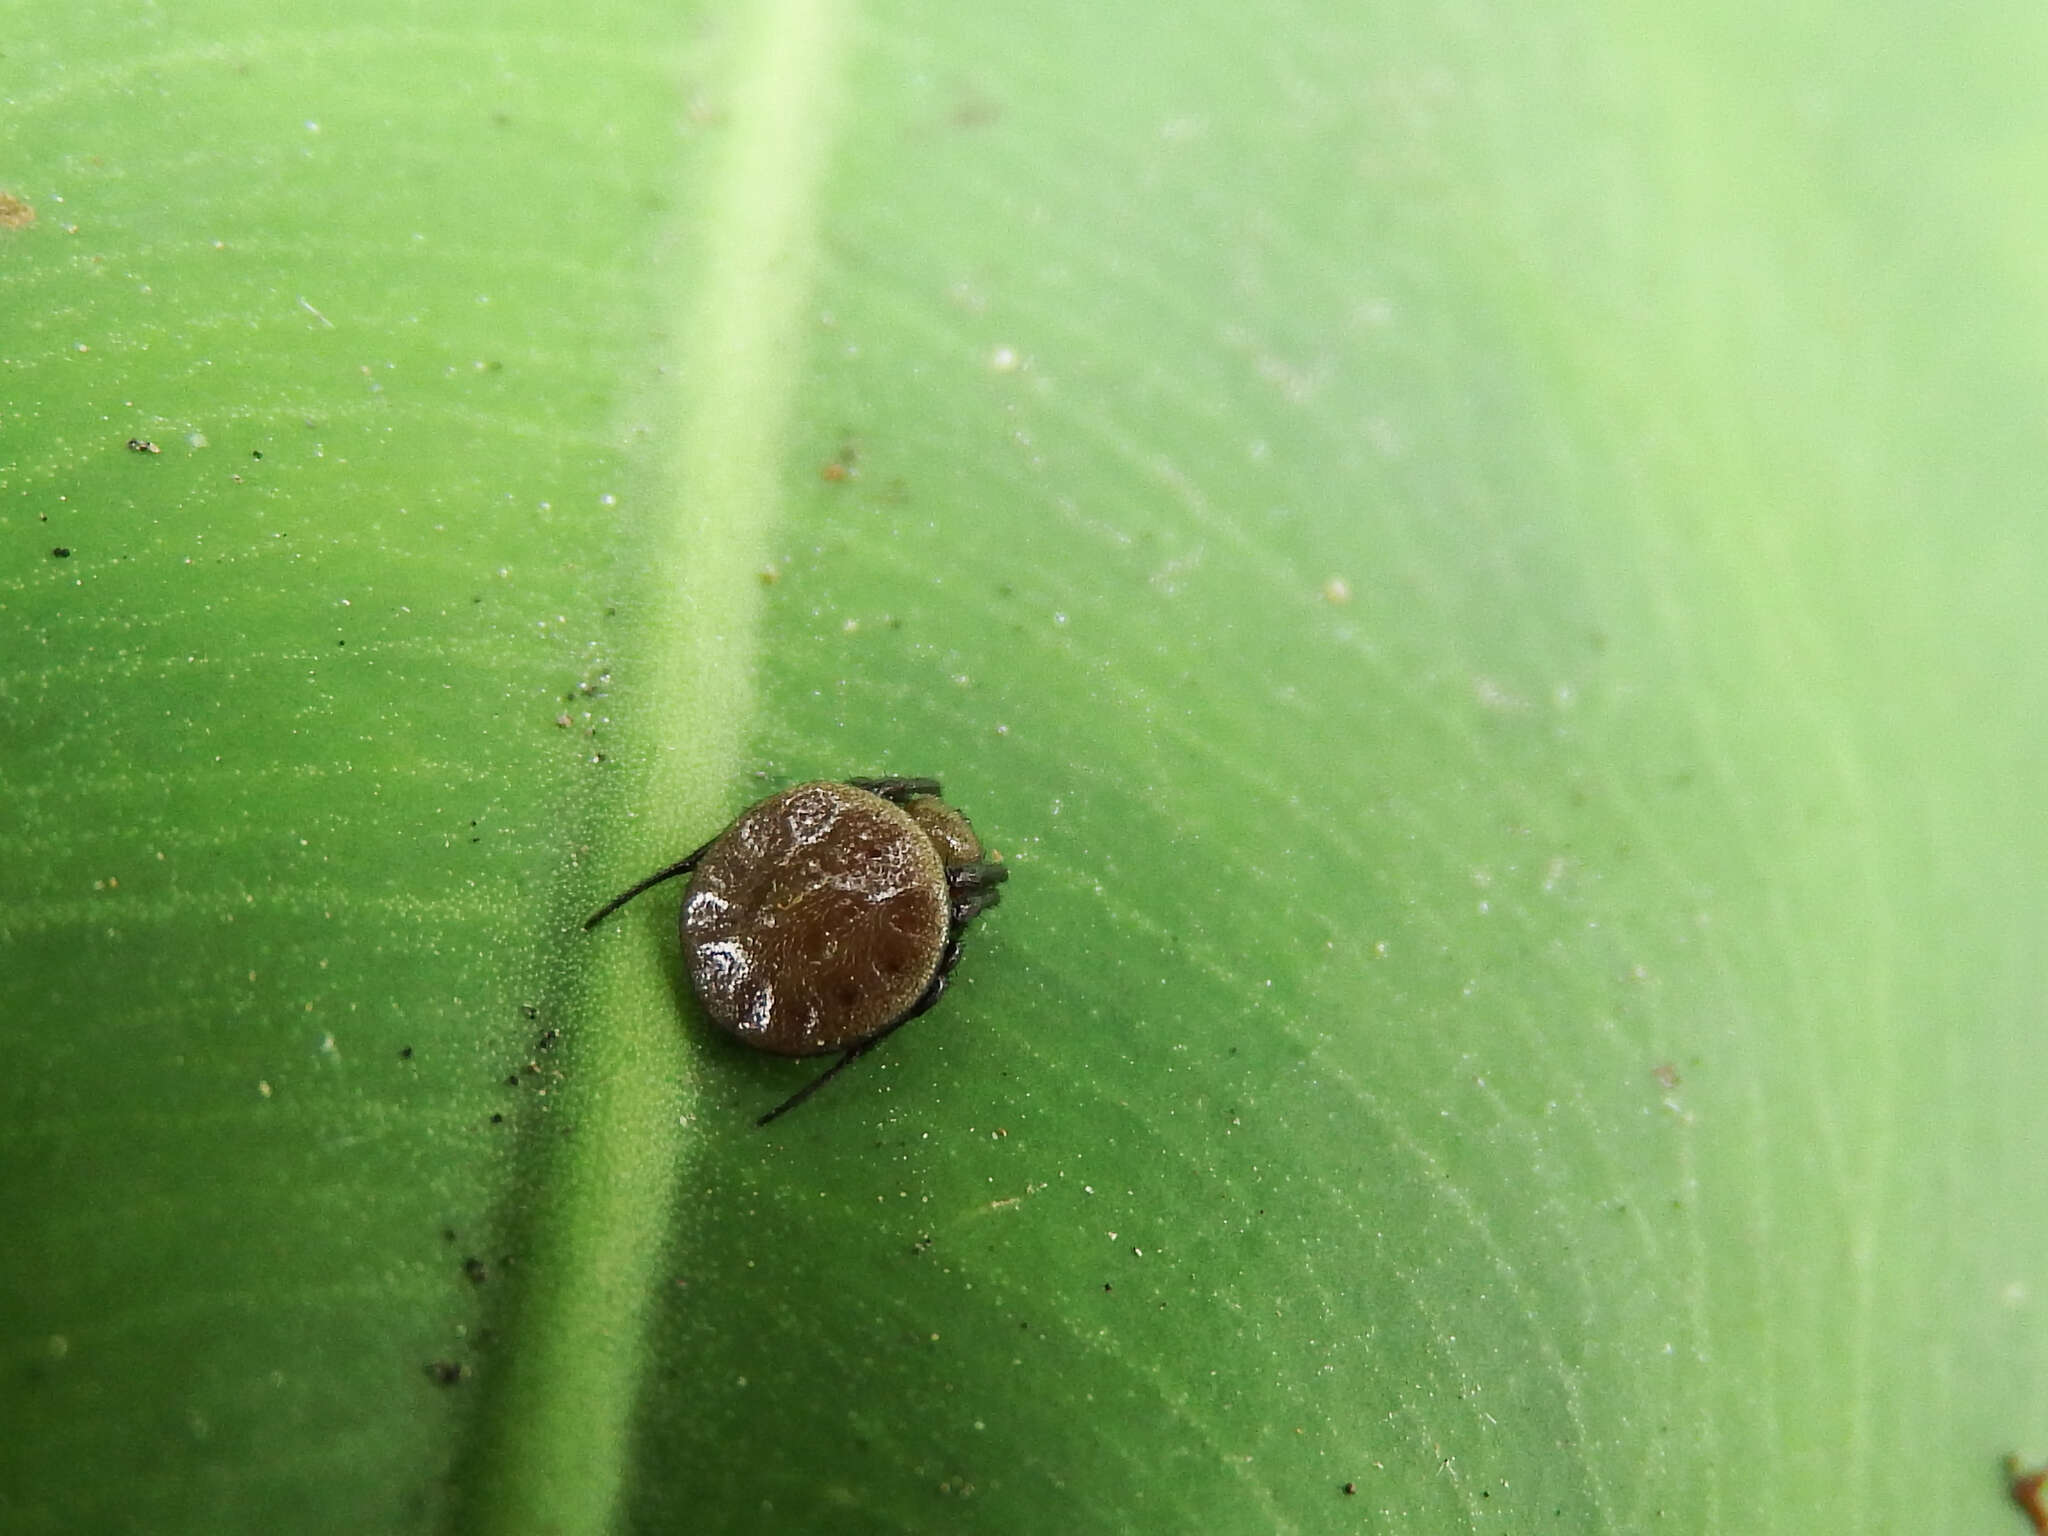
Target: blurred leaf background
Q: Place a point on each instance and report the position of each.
(1483, 567)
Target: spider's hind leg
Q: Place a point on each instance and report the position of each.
(897, 790)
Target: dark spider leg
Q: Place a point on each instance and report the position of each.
(853, 1054)
(975, 888)
(895, 790)
(680, 867)
(932, 994)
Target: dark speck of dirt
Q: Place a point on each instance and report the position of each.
(61, 552)
(1351, 1488)
(447, 1373)
(477, 1270)
(142, 445)
(512, 1081)
(547, 1040)
(405, 1053)
(497, 1119)
(975, 111)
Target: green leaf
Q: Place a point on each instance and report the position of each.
(1483, 572)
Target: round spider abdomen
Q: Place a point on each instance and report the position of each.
(816, 920)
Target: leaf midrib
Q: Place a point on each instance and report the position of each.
(557, 1428)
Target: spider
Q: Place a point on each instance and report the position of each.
(828, 916)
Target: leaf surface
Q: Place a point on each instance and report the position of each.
(1483, 572)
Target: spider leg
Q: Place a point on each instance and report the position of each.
(853, 1054)
(897, 790)
(932, 993)
(680, 867)
(974, 889)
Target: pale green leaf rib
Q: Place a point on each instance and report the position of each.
(560, 1426)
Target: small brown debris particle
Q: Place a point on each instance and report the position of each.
(447, 1373)
(2029, 1490)
(142, 445)
(1666, 1074)
(14, 213)
(844, 465)
(1351, 1488)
